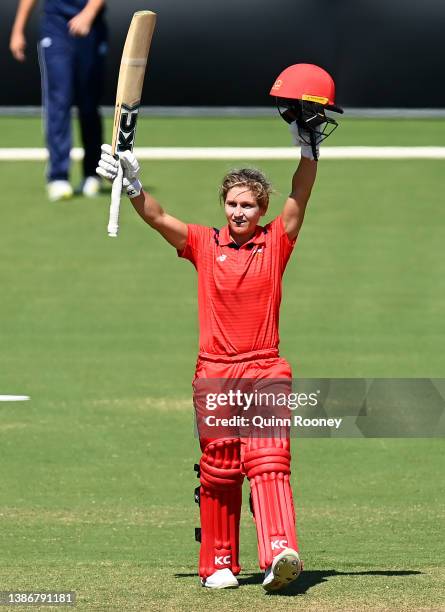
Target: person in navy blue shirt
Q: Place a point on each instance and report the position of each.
(72, 46)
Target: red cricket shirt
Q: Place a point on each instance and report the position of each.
(239, 288)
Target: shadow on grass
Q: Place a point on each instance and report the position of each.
(310, 578)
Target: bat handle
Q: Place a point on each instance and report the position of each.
(113, 221)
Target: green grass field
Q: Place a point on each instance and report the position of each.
(97, 469)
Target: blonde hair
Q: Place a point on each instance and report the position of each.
(251, 178)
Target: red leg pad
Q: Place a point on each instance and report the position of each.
(220, 506)
(267, 466)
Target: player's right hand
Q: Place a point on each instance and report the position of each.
(109, 165)
(17, 46)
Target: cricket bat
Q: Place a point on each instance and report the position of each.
(128, 97)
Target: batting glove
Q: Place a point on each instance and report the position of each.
(109, 165)
(299, 136)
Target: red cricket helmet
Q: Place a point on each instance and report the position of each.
(306, 82)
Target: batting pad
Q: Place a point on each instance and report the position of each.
(267, 466)
(220, 507)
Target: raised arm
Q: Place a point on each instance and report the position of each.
(172, 229)
(149, 209)
(302, 182)
(295, 205)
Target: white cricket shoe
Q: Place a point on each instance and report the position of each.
(285, 568)
(221, 579)
(90, 187)
(59, 190)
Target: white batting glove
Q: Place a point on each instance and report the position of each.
(108, 168)
(108, 165)
(306, 149)
(131, 182)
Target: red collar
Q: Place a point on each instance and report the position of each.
(259, 237)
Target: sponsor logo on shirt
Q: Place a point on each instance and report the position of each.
(222, 258)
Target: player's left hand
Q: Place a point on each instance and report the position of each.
(301, 138)
(80, 24)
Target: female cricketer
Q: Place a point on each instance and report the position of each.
(240, 269)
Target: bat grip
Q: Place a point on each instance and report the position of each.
(116, 190)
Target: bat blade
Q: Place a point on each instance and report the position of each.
(128, 98)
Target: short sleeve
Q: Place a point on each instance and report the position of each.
(282, 244)
(197, 237)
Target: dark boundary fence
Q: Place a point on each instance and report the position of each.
(382, 54)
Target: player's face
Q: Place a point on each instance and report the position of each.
(242, 211)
